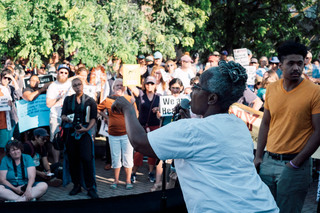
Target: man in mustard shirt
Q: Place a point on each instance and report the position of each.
(290, 131)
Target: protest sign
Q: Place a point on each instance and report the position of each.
(33, 114)
(43, 80)
(4, 104)
(251, 72)
(131, 75)
(252, 119)
(166, 105)
(241, 56)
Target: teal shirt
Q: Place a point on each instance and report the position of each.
(261, 92)
(6, 164)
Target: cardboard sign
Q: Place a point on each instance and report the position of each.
(43, 80)
(251, 72)
(131, 75)
(4, 104)
(241, 56)
(167, 104)
(33, 114)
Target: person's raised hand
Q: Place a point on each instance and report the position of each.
(120, 104)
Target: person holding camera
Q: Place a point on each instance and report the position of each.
(79, 113)
(17, 175)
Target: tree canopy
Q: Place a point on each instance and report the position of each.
(101, 29)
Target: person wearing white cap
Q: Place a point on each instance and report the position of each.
(185, 72)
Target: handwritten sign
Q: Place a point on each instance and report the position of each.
(43, 80)
(241, 56)
(251, 72)
(131, 75)
(33, 114)
(167, 104)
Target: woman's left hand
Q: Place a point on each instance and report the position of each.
(155, 109)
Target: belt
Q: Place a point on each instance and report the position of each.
(276, 156)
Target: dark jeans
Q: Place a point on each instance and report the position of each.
(80, 158)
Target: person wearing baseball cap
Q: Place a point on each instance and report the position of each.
(157, 62)
(37, 150)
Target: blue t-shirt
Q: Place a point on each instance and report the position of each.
(6, 164)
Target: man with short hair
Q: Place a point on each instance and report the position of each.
(56, 93)
(290, 131)
(32, 92)
(79, 144)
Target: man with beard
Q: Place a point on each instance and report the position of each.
(56, 93)
(32, 92)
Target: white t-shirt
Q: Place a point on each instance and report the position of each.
(185, 77)
(56, 90)
(214, 162)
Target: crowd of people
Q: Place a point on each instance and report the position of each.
(80, 98)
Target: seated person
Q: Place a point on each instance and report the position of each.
(17, 175)
(37, 150)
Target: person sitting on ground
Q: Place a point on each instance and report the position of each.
(17, 175)
(37, 150)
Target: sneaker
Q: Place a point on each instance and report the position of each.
(129, 186)
(93, 194)
(75, 190)
(151, 177)
(133, 178)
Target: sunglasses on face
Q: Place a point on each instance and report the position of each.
(7, 78)
(65, 73)
(177, 88)
(149, 83)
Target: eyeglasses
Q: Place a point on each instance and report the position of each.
(198, 87)
(65, 73)
(177, 88)
(42, 68)
(149, 83)
(185, 61)
(170, 65)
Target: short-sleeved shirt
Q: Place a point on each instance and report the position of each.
(291, 125)
(80, 115)
(184, 76)
(37, 153)
(214, 162)
(6, 164)
(145, 109)
(116, 123)
(56, 90)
